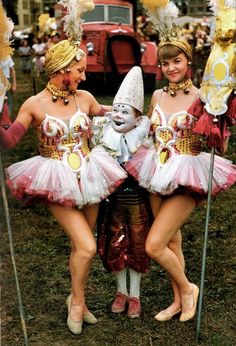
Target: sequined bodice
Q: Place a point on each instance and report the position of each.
(173, 136)
(66, 141)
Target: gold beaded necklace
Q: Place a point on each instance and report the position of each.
(173, 87)
(58, 93)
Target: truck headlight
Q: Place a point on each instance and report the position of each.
(90, 47)
(143, 47)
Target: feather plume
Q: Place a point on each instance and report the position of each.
(230, 3)
(6, 28)
(163, 17)
(216, 5)
(72, 20)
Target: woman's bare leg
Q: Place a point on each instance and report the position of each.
(173, 212)
(83, 249)
(175, 244)
(91, 212)
(155, 203)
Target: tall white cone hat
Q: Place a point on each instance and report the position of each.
(131, 89)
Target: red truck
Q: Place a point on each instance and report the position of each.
(113, 45)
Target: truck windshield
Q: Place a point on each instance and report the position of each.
(110, 14)
(119, 14)
(96, 15)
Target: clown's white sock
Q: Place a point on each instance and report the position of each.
(121, 282)
(135, 278)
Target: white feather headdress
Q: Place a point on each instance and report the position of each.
(6, 28)
(72, 20)
(216, 5)
(224, 10)
(162, 14)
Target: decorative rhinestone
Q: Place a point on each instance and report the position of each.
(172, 93)
(54, 98)
(66, 101)
(186, 91)
(165, 89)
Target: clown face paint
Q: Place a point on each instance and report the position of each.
(123, 118)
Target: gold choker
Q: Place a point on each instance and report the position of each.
(58, 93)
(173, 87)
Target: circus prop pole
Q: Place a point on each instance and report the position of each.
(205, 243)
(7, 215)
(215, 108)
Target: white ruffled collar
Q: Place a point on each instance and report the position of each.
(124, 145)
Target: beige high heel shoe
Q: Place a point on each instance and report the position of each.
(163, 316)
(186, 316)
(89, 318)
(74, 326)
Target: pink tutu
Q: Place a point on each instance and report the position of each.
(53, 181)
(182, 170)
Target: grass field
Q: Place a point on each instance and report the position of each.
(42, 251)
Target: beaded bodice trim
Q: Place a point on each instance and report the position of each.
(173, 136)
(64, 141)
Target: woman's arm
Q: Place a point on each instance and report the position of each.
(95, 108)
(153, 103)
(13, 79)
(104, 109)
(224, 147)
(10, 137)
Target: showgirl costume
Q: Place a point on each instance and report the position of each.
(125, 217)
(170, 165)
(66, 171)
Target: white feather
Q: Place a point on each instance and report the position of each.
(163, 18)
(72, 20)
(231, 4)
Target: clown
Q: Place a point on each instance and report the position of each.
(125, 218)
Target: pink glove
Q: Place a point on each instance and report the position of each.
(10, 137)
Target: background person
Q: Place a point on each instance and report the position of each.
(8, 67)
(24, 52)
(39, 50)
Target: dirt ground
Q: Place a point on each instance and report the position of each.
(41, 253)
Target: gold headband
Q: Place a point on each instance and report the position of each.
(180, 43)
(61, 55)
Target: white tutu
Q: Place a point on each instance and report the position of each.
(182, 170)
(54, 181)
